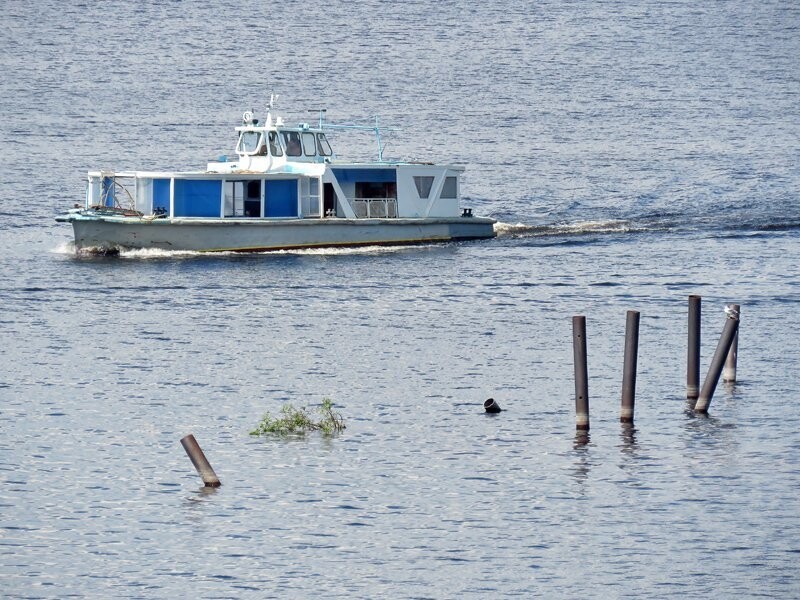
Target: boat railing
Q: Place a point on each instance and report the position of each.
(375, 208)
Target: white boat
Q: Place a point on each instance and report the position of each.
(284, 189)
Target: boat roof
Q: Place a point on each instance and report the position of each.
(195, 174)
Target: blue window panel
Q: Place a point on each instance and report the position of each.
(366, 175)
(197, 197)
(108, 191)
(161, 194)
(281, 198)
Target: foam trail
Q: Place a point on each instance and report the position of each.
(67, 247)
(155, 253)
(576, 228)
(148, 253)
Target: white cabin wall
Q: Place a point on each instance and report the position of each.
(95, 192)
(410, 205)
(433, 196)
(444, 207)
(348, 188)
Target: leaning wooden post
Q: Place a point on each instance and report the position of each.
(729, 372)
(714, 371)
(693, 357)
(581, 373)
(199, 461)
(629, 368)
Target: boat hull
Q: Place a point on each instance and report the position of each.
(102, 234)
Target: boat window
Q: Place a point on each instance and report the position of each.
(291, 139)
(248, 142)
(323, 147)
(274, 145)
(450, 188)
(423, 183)
(369, 189)
(252, 204)
(234, 192)
(309, 147)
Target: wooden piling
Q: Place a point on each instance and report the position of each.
(693, 357)
(629, 366)
(714, 371)
(729, 372)
(581, 373)
(199, 461)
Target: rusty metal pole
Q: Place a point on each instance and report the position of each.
(714, 371)
(581, 373)
(729, 372)
(629, 367)
(693, 359)
(199, 461)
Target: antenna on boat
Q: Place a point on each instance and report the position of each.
(321, 112)
(376, 129)
(270, 106)
(378, 139)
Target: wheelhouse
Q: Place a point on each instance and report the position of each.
(302, 143)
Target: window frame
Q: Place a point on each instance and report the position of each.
(424, 182)
(450, 181)
(248, 133)
(325, 150)
(286, 136)
(274, 143)
(312, 141)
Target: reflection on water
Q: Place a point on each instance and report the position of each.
(628, 440)
(582, 457)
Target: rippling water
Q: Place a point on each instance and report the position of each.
(634, 153)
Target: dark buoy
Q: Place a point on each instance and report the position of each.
(491, 406)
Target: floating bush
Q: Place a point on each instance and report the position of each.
(299, 420)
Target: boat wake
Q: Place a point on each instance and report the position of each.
(557, 229)
(348, 250)
(68, 248)
(64, 248)
(155, 253)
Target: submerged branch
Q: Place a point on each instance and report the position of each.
(299, 420)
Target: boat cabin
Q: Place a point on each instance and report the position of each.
(284, 172)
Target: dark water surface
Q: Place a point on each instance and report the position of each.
(634, 153)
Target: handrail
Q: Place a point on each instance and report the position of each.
(374, 208)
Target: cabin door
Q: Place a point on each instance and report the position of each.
(252, 203)
(328, 200)
(243, 198)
